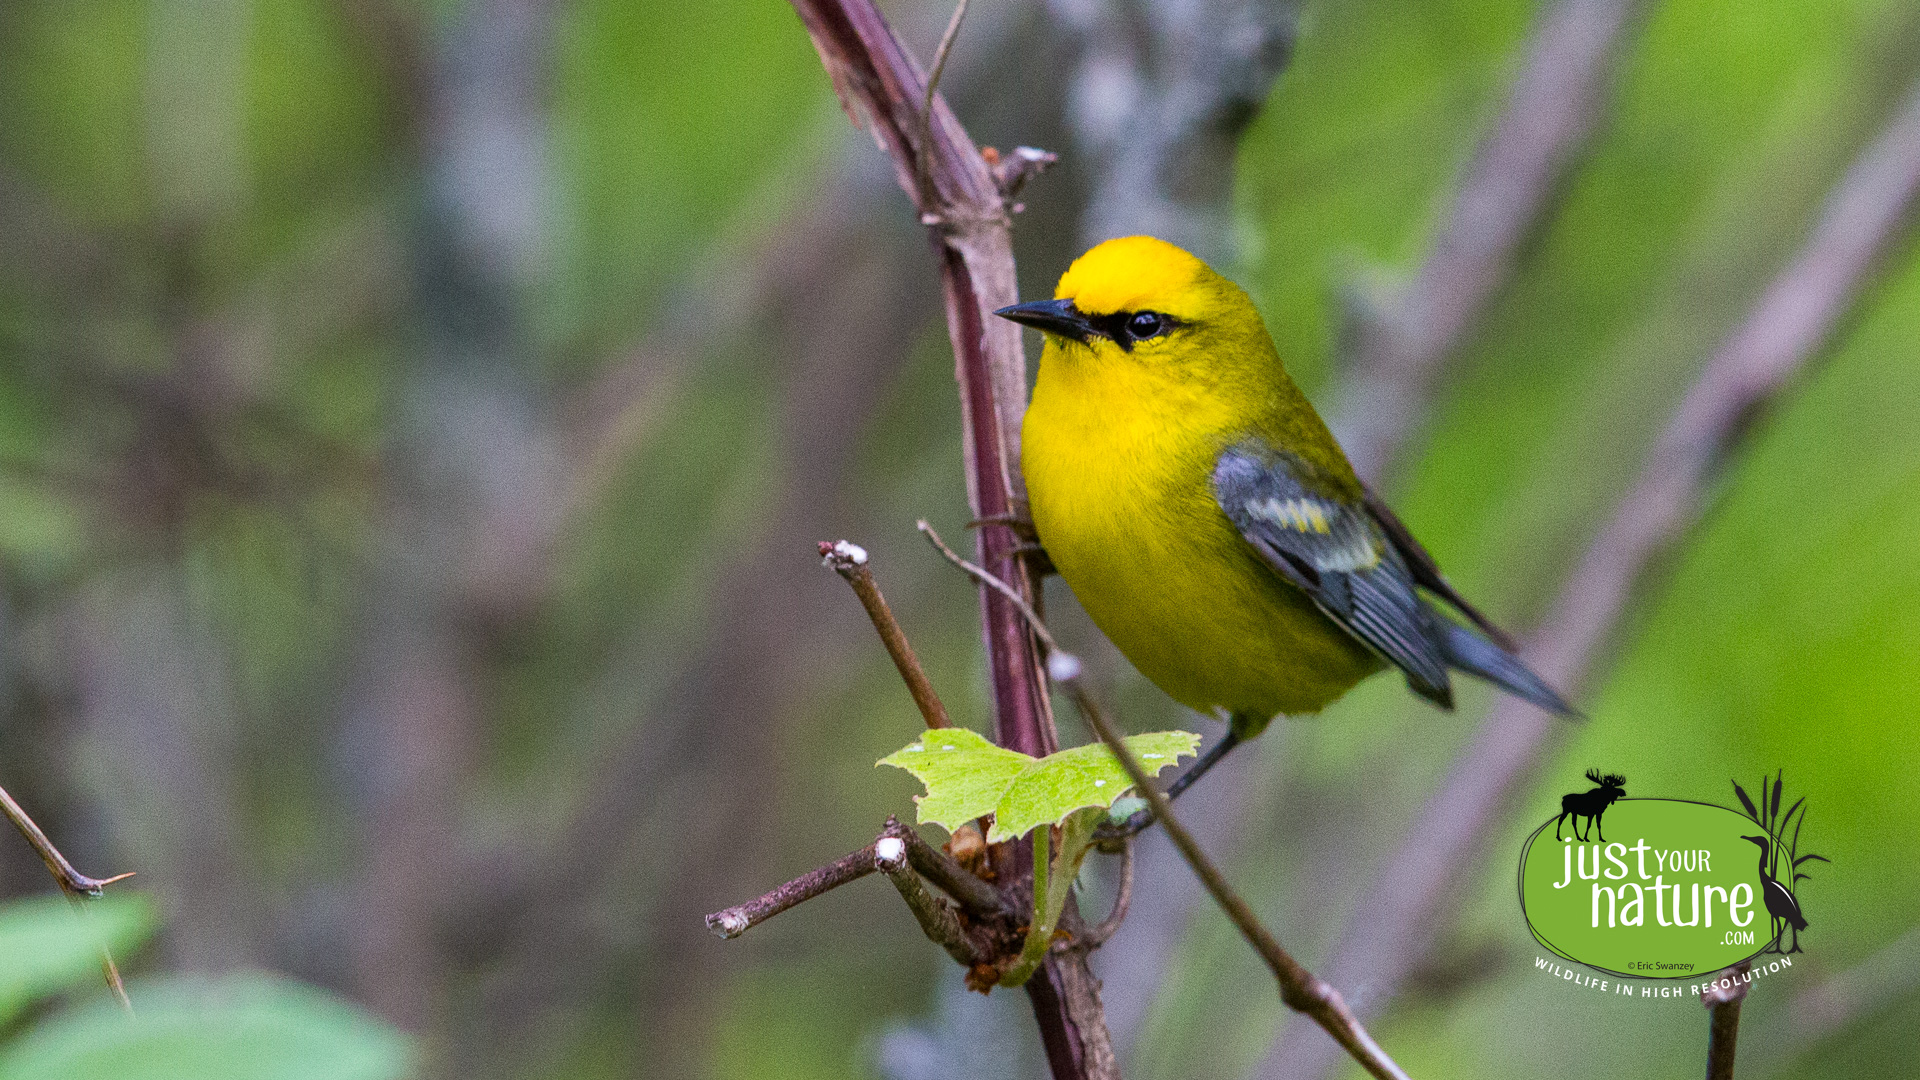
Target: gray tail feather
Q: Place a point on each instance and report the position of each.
(1475, 655)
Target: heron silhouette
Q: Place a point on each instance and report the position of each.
(1779, 899)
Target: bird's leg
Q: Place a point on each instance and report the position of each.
(1030, 548)
(1185, 780)
(1018, 520)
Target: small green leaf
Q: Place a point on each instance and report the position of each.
(1058, 784)
(968, 777)
(965, 774)
(48, 944)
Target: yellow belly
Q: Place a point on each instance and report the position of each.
(1122, 502)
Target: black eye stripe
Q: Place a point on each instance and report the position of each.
(1123, 329)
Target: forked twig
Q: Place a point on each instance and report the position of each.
(77, 886)
(940, 55)
(936, 919)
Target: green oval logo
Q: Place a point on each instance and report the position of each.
(1653, 889)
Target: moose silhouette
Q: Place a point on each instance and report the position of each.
(1591, 805)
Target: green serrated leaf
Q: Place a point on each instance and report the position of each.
(1085, 776)
(965, 774)
(968, 777)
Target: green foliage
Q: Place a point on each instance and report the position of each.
(968, 777)
(245, 1027)
(49, 944)
(671, 121)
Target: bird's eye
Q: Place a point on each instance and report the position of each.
(1147, 324)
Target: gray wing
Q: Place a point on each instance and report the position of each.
(1337, 554)
(1363, 569)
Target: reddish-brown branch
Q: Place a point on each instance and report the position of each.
(954, 189)
(937, 920)
(1783, 333)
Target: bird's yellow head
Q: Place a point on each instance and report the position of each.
(1145, 303)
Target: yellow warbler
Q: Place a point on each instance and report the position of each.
(1187, 492)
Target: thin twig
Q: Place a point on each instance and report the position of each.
(735, 921)
(1391, 927)
(849, 560)
(933, 87)
(71, 881)
(1034, 622)
(1722, 998)
(77, 886)
(1122, 900)
(1299, 988)
(936, 919)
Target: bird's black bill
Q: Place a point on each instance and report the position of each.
(1057, 317)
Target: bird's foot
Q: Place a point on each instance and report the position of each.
(1112, 836)
(1018, 521)
(1030, 548)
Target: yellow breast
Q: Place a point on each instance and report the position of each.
(1118, 467)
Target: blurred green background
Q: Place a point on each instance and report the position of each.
(416, 421)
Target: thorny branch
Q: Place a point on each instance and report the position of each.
(1299, 988)
(77, 886)
(1723, 1028)
(1780, 337)
(959, 197)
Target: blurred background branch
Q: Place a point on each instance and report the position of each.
(1559, 96)
(415, 426)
